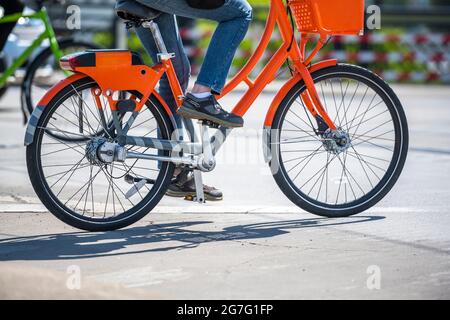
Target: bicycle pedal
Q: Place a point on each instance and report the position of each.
(210, 124)
(193, 199)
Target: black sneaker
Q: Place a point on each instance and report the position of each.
(208, 109)
(183, 185)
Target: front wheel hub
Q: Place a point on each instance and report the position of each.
(336, 141)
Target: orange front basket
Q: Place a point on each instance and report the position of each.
(329, 17)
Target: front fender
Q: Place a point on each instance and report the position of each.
(37, 112)
(267, 135)
(289, 85)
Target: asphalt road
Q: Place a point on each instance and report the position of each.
(255, 243)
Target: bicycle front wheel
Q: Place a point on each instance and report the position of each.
(342, 173)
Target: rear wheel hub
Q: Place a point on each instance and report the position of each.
(100, 151)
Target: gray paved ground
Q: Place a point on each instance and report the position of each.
(254, 244)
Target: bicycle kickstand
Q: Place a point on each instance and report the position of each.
(208, 161)
(200, 195)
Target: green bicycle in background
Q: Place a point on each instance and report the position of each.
(37, 78)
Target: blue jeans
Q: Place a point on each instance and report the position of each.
(234, 18)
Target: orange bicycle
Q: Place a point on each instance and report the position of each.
(102, 144)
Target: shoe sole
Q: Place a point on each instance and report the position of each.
(175, 194)
(187, 112)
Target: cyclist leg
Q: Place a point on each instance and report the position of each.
(169, 31)
(234, 18)
(183, 183)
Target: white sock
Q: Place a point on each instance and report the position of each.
(201, 95)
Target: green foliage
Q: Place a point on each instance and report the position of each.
(259, 2)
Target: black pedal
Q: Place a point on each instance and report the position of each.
(210, 124)
(126, 106)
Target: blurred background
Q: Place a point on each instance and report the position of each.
(412, 45)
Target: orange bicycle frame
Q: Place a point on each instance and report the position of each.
(289, 49)
(122, 70)
(110, 75)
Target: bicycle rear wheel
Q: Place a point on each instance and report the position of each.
(344, 173)
(68, 177)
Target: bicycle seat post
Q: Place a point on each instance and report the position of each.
(163, 54)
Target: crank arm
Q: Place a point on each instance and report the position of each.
(176, 160)
(313, 103)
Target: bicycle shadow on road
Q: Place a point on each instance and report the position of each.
(157, 237)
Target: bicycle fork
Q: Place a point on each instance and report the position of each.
(313, 103)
